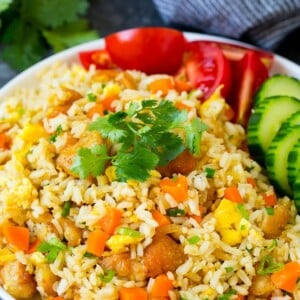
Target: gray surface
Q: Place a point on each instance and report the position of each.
(108, 16)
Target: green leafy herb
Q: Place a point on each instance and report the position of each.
(149, 134)
(210, 172)
(229, 269)
(107, 276)
(91, 97)
(193, 239)
(51, 248)
(175, 212)
(57, 132)
(270, 210)
(66, 209)
(267, 265)
(90, 161)
(243, 211)
(128, 231)
(227, 295)
(28, 28)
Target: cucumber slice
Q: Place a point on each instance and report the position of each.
(296, 190)
(265, 122)
(293, 163)
(277, 157)
(278, 85)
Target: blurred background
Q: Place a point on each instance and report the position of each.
(103, 17)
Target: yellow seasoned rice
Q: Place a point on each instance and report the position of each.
(33, 189)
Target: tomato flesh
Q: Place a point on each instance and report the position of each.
(151, 50)
(207, 68)
(100, 58)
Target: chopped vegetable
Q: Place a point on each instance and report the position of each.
(96, 109)
(270, 199)
(91, 97)
(227, 295)
(286, 278)
(229, 269)
(267, 265)
(96, 242)
(133, 293)
(161, 286)
(111, 220)
(107, 276)
(251, 181)
(100, 58)
(57, 132)
(193, 239)
(66, 208)
(160, 218)
(128, 231)
(233, 194)
(176, 187)
(119, 243)
(210, 172)
(243, 211)
(33, 246)
(270, 211)
(175, 212)
(17, 236)
(5, 141)
(51, 248)
(162, 84)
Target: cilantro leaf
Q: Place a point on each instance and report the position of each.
(135, 165)
(90, 161)
(55, 13)
(193, 131)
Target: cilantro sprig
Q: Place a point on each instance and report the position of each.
(28, 28)
(149, 134)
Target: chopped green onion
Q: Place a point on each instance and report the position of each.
(51, 248)
(229, 269)
(243, 227)
(128, 231)
(57, 132)
(210, 172)
(66, 209)
(107, 276)
(21, 111)
(193, 240)
(270, 210)
(268, 266)
(175, 212)
(89, 255)
(273, 244)
(227, 295)
(243, 211)
(91, 97)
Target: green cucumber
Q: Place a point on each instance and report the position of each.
(278, 85)
(265, 122)
(293, 163)
(277, 157)
(296, 190)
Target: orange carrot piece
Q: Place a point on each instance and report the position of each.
(162, 84)
(111, 220)
(107, 102)
(182, 85)
(270, 199)
(161, 286)
(199, 218)
(17, 236)
(96, 242)
(133, 293)
(96, 109)
(161, 219)
(57, 298)
(251, 181)
(33, 246)
(176, 187)
(240, 297)
(229, 113)
(182, 106)
(286, 279)
(5, 141)
(233, 194)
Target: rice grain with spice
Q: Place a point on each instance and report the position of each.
(197, 228)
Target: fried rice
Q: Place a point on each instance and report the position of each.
(214, 249)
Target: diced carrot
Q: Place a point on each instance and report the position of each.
(199, 218)
(176, 187)
(240, 297)
(182, 85)
(160, 218)
(56, 110)
(286, 278)
(57, 298)
(96, 109)
(251, 181)
(5, 141)
(162, 84)
(233, 194)
(17, 236)
(107, 102)
(228, 113)
(111, 220)
(161, 286)
(133, 293)
(182, 106)
(96, 242)
(33, 246)
(270, 199)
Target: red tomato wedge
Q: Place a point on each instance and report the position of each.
(248, 74)
(151, 49)
(206, 67)
(100, 58)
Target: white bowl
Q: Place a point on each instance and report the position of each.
(280, 65)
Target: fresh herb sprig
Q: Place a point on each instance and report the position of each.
(149, 134)
(30, 28)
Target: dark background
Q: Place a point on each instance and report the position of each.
(107, 16)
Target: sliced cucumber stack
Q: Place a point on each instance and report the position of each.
(278, 85)
(265, 122)
(296, 189)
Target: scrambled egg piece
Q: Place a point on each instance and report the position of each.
(5, 256)
(111, 91)
(118, 243)
(230, 223)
